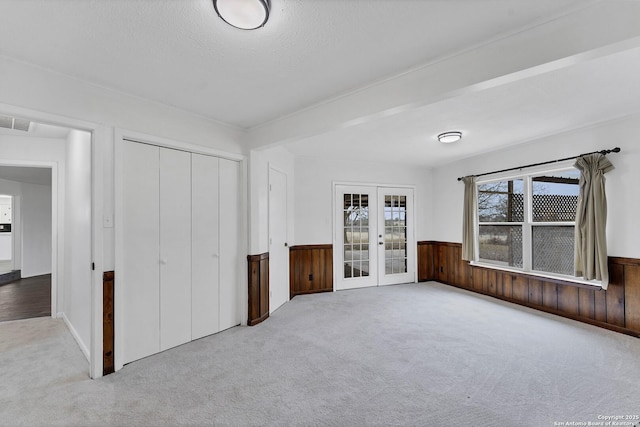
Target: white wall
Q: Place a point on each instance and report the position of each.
(16, 231)
(36, 230)
(77, 239)
(259, 163)
(33, 87)
(623, 202)
(314, 193)
(24, 86)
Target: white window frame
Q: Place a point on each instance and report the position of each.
(527, 225)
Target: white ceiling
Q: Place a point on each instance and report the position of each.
(491, 119)
(30, 175)
(313, 52)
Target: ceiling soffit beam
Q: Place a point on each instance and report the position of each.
(596, 31)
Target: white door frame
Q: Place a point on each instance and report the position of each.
(100, 138)
(337, 249)
(122, 135)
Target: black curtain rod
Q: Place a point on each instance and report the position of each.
(603, 152)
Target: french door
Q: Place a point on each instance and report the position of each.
(374, 237)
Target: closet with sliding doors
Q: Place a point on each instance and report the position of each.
(179, 247)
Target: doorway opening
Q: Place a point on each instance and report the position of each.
(47, 170)
(6, 237)
(25, 242)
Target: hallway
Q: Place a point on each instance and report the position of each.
(26, 298)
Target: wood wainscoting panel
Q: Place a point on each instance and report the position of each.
(586, 301)
(478, 280)
(568, 300)
(258, 288)
(310, 269)
(535, 292)
(617, 308)
(425, 261)
(507, 285)
(492, 282)
(615, 294)
(108, 326)
(520, 286)
(550, 295)
(632, 296)
(600, 306)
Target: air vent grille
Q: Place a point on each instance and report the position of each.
(6, 122)
(15, 123)
(21, 124)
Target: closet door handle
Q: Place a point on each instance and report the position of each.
(163, 261)
(215, 255)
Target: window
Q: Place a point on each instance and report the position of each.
(527, 222)
(356, 235)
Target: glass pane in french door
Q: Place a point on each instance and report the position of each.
(395, 234)
(356, 235)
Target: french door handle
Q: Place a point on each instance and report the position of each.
(381, 243)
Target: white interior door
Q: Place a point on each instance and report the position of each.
(396, 242)
(175, 248)
(139, 275)
(355, 222)
(230, 245)
(205, 250)
(278, 247)
(374, 236)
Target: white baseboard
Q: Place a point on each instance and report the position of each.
(75, 335)
(29, 274)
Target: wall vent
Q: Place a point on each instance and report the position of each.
(15, 123)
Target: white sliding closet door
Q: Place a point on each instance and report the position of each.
(181, 240)
(175, 248)
(230, 220)
(205, 261)
(141, 226)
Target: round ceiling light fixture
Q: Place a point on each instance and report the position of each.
(449, 137)
(243, 14)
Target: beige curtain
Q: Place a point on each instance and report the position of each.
(591, 219)
(469, 219)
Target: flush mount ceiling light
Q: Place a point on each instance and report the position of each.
(449, 137)
(243, 14)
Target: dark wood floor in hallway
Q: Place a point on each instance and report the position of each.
(26, 298)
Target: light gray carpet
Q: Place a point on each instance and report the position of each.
(420, 354)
